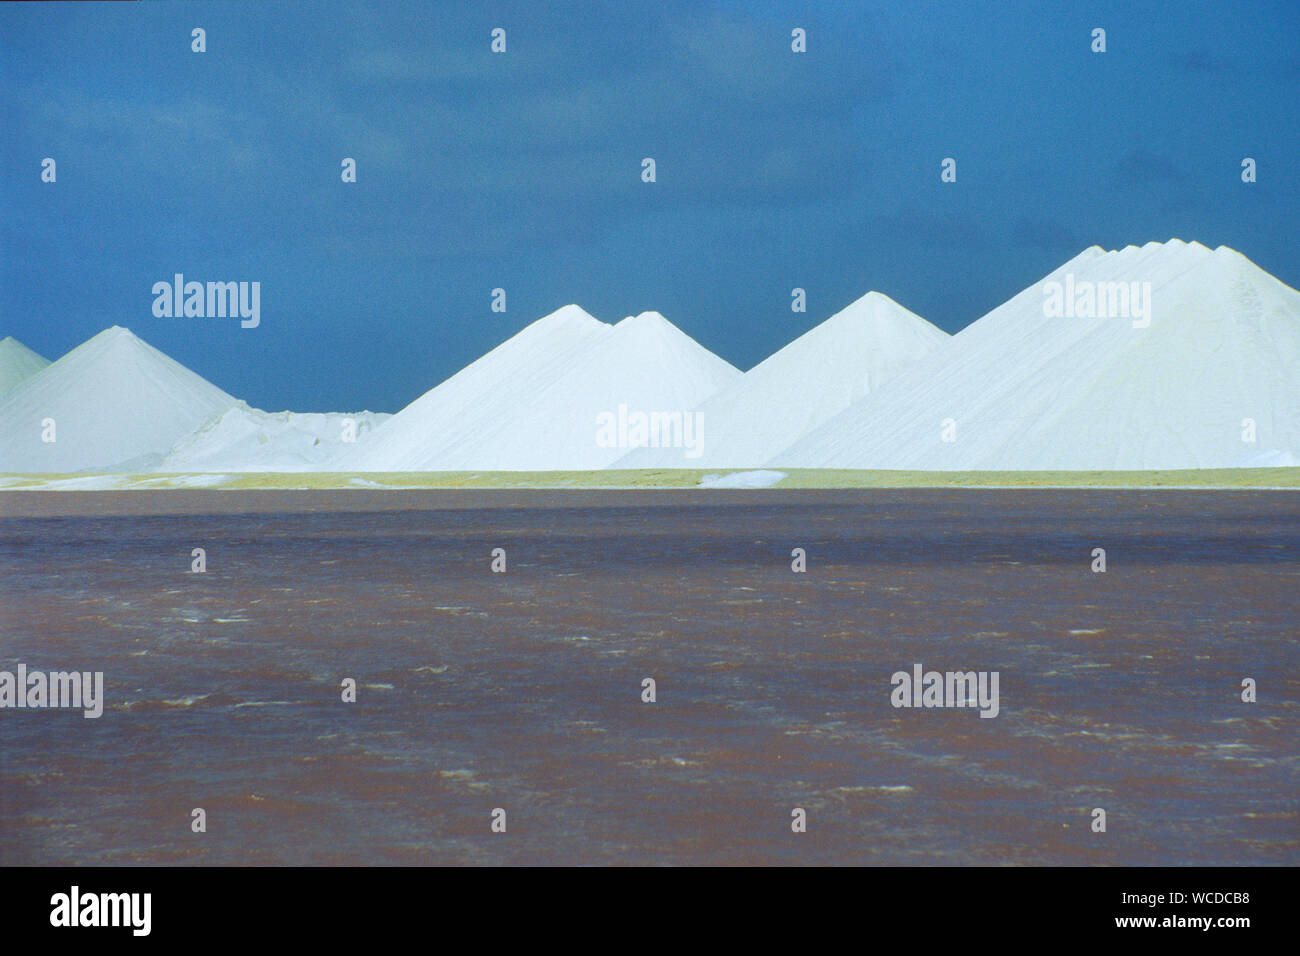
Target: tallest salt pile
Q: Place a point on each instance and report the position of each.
(1210, 382)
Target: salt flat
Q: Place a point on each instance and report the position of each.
(14, 488)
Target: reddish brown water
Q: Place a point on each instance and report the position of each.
(522, 690)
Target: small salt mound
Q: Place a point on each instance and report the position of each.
(244, 439)
(182, 481)
(1274, 458)
(743, 479)
(87, 483)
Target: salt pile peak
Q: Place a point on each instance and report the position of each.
(687, 368)
(533, 402)
(17, 363)
(1206, 378)
(113, 402)
(802, 385)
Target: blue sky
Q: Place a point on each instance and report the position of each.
(522, 170)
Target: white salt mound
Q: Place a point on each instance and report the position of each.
(1023, 391)
(809, 381)
(533, 403)
(116, 403)
(17, 363)
(1269, 459)
(244, 439)
(743, 479)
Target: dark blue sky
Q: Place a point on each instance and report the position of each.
(522, 170)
